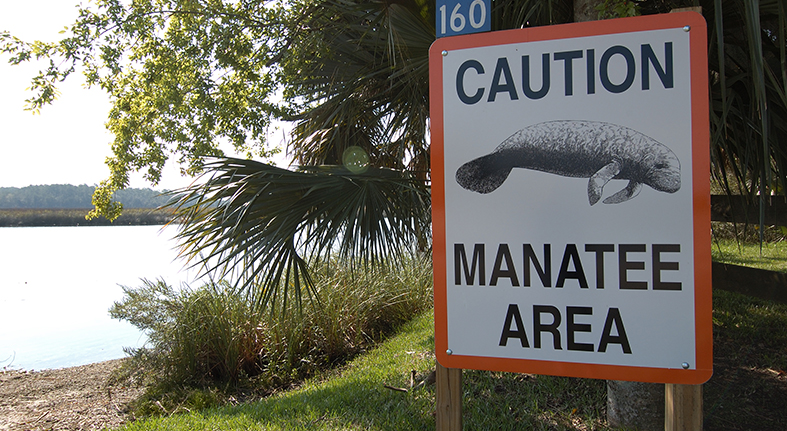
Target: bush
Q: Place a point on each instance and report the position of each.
(213, 335)
(195, 335)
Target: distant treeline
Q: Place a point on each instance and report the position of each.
(64, 196)
(37, 217)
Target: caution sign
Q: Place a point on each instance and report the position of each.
(571, 200)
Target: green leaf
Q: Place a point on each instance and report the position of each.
(262, 224)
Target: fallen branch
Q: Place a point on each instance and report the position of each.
(395, 388)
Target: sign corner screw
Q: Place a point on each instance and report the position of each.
(685, 28)
(449, 351)
(445, 53)
(685, 365)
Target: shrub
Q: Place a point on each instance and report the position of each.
(194, 335)
(213, 335)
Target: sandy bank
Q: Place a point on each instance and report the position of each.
(77, 398)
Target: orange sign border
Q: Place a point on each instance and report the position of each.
(700, 125)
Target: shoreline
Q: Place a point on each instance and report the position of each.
(47, 217)
(84, 397)
(11, 368)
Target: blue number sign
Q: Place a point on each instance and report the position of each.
(463, 17)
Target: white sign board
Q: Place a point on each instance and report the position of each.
(571, 199)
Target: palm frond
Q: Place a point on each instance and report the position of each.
(748, 68)
(260, 224)
(509, 14)
(365, 83)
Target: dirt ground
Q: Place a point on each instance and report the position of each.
(78, 398)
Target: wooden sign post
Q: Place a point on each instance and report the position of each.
(448, 398)
(683, 407)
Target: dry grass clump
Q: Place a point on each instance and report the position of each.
(206, 343)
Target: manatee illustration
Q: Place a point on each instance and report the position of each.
(584, 149)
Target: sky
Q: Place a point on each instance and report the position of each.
(67, 142)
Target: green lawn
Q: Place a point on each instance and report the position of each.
(772, 257)
(353, 399)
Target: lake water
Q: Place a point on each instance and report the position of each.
(57, 284)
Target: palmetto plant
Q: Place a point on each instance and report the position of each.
(268, 222)
(748, 67)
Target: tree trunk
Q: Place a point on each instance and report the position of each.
(633, 405)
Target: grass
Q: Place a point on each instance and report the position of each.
(751, 324)
(748, 390)
(772, 257)
(739, 244)
(497, 400)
